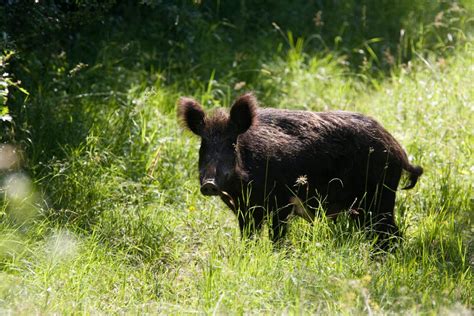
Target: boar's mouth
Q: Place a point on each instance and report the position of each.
(209, 187)
(228, 200)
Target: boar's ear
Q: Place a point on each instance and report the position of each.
(243, 113)
(191, 114)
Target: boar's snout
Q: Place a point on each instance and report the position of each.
(209, 187)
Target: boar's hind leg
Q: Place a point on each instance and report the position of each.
(382, 221)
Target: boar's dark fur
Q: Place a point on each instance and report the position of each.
(269, 163)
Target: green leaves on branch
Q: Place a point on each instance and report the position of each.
(6, 81)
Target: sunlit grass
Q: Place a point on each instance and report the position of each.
(102, 214)
(123, 227)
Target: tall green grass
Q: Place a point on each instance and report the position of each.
(123, 227)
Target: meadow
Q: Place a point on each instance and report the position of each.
(100, 207)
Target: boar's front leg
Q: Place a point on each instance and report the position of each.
(250, 218)
(279, 227)
(250, 221)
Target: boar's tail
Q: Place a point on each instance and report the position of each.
(415, 173)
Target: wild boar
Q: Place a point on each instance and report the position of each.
(263, 161)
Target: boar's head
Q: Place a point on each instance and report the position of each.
(218, 157)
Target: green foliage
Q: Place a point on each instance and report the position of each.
(105, 215)
(6, 84)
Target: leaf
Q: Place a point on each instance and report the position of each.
(23, 90)
(6, 118)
